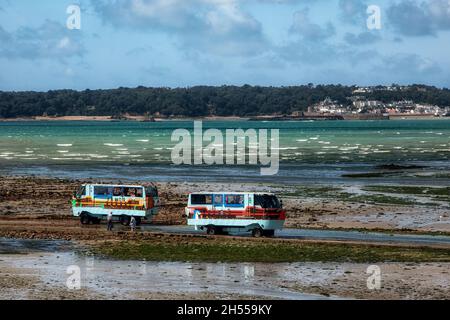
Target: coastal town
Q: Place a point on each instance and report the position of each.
(360, 107)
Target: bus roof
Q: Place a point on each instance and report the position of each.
(115, 185)
(232, 193)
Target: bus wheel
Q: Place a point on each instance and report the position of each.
(219, 231)
(211, 230)
(222, 232)
(269, 233)
(125, 220)
(85, 219)
(138, 221)
(257, 232)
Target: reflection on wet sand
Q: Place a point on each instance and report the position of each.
(141, 279)
(40, 271)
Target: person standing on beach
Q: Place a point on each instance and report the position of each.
(109, 219)
(133, 224)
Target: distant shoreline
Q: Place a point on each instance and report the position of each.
(112, 119)
(212, 118)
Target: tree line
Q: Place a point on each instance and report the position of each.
(198, 101)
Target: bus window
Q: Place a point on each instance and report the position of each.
(235, 200)
(129, 192)
(132, 192)
(267, 201)
(218, 200)
(117, 192)
(201, 199)
(102, 192)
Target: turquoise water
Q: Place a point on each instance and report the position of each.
(150, 143)
(309, 151)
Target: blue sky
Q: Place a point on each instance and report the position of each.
(178, 43)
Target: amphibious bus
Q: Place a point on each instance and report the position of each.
(224, 212)
(92, 202)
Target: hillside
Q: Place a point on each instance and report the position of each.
(200, 101)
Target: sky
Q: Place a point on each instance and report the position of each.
(182, 43)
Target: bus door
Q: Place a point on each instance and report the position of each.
(219, 204)
(151, 197)
(202, 205)
(251, 205)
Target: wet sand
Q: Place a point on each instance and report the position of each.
(36, 207)
(329, 214)
(40, 274)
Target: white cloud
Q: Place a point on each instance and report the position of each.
(308, 30)
(49, 41)
(217, 25)
(64, 43)
(425, 18)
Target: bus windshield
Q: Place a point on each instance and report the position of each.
(81, 192)
(267, 201)
(151, 191)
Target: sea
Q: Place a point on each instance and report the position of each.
(319, 152)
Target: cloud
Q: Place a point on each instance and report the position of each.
(320, 54)
(316, 45)
(307, 30)
(266, 61)
(409, 66)
(311, 43)
(139, 51)
(157, 71)
(363, 38)
(5, 37)
(300, 52)
(426, 18)
(4, 4)
(168, 15)
(410, 19)
(49, 41)
(283, 1)
(353, 11)
(439, 10)
(219, 26)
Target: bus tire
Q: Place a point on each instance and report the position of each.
(257, 233)
(223, 232)
(85, 219)
(211, 230)
(219, 231)
(125, 220)
(269, 233)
